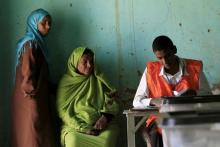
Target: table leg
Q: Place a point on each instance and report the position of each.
(130, 131)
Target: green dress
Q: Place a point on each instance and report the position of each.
(81, 100)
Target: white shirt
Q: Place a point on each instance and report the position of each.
(142, 99)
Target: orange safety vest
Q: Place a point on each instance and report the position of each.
(158, 86)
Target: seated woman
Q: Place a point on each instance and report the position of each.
(86, 104)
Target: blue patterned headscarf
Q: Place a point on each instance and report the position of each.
(32, 33)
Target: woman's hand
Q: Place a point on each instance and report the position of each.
(94, 132)
(114, 95)
(101, 123)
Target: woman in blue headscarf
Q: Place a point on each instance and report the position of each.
(30, 104)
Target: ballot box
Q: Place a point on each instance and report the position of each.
(191, 131)
(192, 121)
(190, 104)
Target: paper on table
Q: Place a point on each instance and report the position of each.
(145, 108)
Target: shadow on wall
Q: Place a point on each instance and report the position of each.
(7, 69)
(64, 37)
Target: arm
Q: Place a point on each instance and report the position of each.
(140, 99)
(108, 116)
(102, 122)
(28, 69)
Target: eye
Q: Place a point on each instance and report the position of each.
(85, 62)
(42, 22)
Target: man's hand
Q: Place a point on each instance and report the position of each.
(156, 102)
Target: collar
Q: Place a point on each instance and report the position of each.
(182, 68)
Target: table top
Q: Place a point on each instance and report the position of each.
(139, 112)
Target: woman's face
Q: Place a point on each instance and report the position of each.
(44, 26)
(85, 65)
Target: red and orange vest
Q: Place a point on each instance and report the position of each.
(158, 86)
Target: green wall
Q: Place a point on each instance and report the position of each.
(6, 55)
(119, 31)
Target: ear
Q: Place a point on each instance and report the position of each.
(174, 49)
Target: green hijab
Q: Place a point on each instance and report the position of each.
(81, 99)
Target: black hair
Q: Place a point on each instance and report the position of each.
(163, 43)
(88, 51)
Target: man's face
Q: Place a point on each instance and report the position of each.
(166, 57)
(85, 65)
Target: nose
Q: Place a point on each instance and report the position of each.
(48, 26)
(163, 60)
(89, 65)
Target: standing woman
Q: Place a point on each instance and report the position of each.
(30, 101)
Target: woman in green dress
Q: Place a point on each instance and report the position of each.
(86, 104)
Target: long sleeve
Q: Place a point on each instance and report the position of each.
(28, 68)
(141, 99)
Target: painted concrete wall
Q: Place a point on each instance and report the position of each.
(6, 55)
(119, 31)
